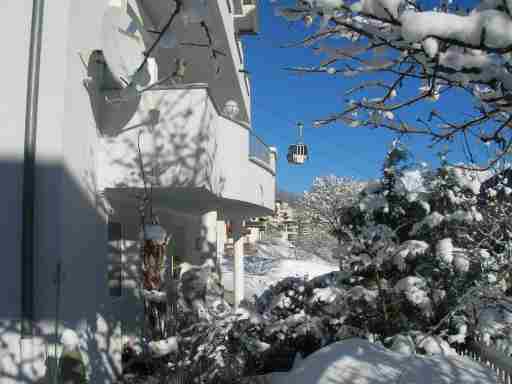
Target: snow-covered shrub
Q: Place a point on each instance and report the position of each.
(415, 250)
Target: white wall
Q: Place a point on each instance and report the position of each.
(229, 27)
(12, 114)
(69, 223)
(193, 145)
(16, 26)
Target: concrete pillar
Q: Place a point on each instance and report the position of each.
(221, 240)
(238, 270)
(207, 242)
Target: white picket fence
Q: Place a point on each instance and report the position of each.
(490, 357)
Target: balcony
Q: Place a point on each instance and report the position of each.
(195, 157)
(229, 83)
(261, 154)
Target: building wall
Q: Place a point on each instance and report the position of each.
(70, 225)
(229, 26)
(16, 25)
(71, 222)
(193, 144)
(182, 142)
(12, 114)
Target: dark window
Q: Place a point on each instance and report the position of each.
(115, 258)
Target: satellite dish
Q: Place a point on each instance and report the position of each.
(123, 46)
(118, 3)
(194, 11)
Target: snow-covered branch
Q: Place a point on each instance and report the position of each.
(436, 51)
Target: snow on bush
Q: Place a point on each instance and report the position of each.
(431, 221)
(444, 250)
(395, 285)
(414, 261)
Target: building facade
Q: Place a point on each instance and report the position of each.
(282, 224)
(71, 149)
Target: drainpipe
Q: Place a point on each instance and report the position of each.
(29, 168)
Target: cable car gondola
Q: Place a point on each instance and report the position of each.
(298, 153)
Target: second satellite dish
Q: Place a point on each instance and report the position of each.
(123, 46)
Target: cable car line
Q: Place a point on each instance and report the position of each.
(316, 155)
(298, 152)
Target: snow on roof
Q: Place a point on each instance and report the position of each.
(359, 361)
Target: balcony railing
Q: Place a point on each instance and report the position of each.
(260, 151)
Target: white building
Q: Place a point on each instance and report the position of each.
(70, 168)
(283, 221)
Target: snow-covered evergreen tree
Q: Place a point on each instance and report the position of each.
(416, 248)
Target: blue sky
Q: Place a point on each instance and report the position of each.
(281, 98)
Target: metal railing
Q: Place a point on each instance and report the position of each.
(259, 150)
(247, 84)
(491, 357)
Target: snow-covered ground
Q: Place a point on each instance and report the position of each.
(272, 263)
(354, 361)
(359, 361)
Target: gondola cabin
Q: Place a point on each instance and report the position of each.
(297, 153)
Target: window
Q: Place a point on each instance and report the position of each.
(115, 258)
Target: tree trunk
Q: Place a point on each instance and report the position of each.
(382, 300)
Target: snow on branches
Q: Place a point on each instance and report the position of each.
(424, 240)
(426, 53)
